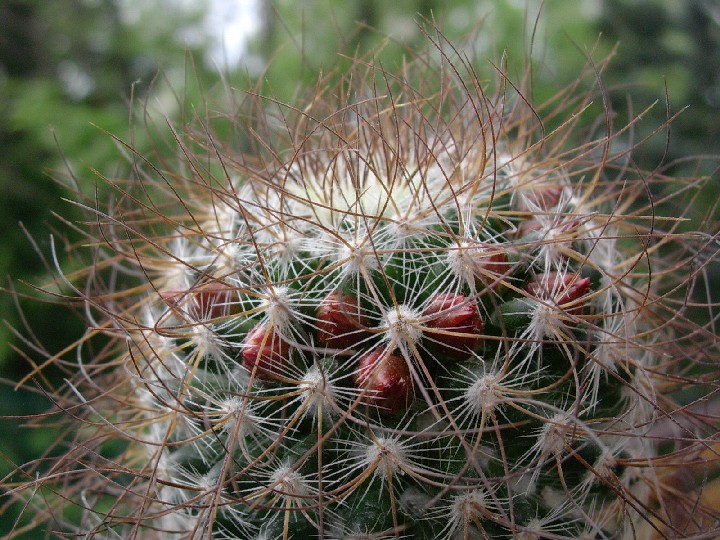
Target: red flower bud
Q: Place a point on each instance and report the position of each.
(386, 381)
(265, 352)
(528, 226)
(210, 300)
(339, 322)
(560, 288)
(542, 197)
(215, 299)
(454, 325)
(491, 265)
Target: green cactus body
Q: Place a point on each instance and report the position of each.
(412, 316)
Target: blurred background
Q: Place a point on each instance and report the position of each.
(72, 71)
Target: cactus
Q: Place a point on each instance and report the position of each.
(408, 309)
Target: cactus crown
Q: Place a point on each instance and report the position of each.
(410, 310)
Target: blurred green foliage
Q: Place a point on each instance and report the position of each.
(667, 49)
(301, 38)
(72, 70)
(68, 70)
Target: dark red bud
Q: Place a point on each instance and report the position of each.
(560, 288)
(491, 266)
(543, 197)
(458, 324)
(264, 351)
(339, 322)
(386, 381)
(209, 301)
(173, 297)
(528, 226)
(215, 299)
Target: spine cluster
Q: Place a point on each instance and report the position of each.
(420, 313)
